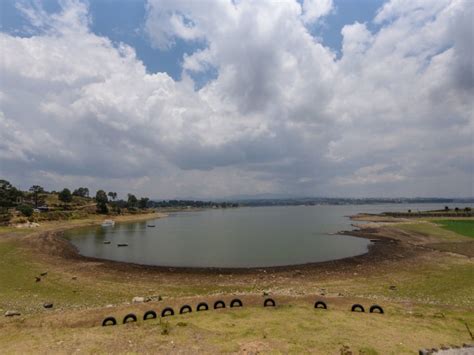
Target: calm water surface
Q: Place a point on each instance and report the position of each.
(239, 237)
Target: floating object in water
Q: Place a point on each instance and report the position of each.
(151, 225)
(106, 241)
(108, 223)
(122, 245)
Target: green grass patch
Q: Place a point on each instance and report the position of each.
(463, 227)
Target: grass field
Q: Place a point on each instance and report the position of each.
(430, 306)
(463, 227)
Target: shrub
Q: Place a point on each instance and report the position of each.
(25, 210)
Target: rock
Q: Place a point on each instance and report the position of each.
(38, 279)
(74, 278)
(393, 287)
(12, 313)
(109, 306)
(265, 293)
(140, 299)
(48, 305)
(44, 273)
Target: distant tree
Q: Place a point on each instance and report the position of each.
(467, 209)
(65, 196)
(26, 210)
(143, 203)
(446, 208)
(112, 195)
(9, 194)
(36, 190)
(409, 211)
(132, 201)
(101, 200)
(81, 192)
(457, 209)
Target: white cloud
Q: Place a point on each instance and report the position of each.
(282, 114)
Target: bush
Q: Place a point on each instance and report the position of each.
(25, 210)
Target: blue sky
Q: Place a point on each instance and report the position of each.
(123, 21)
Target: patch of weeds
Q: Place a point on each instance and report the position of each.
(182, 324)
(165, 327)
(367, 351)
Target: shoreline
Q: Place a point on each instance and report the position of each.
(380, 249)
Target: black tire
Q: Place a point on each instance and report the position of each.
(129, 317)
(185, 309)
(202, 307)
(375, 308)
(357, 306)
(107, 320)
(236, 303)
(149, 315)
(219, 304)
(320, 304)
(269, 302)
(168, 311)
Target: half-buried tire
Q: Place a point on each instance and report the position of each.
(236, 303)
(357, 308)
(109, 321)
(376, 309)
(185, 309)
(168, 311)
(219, 304)
(129, 318)
(269, 302)
(149, 315)
(202, 307)
(320, 304)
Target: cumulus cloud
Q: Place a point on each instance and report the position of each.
(281, 115)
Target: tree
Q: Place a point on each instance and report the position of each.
(143, 203)
(36, 190)
(26, 210)
(81, 192)
(112, 195)
(9, 194)
(132, 201)
(65, 196)
(101, 200)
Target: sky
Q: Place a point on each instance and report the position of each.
(211, 99)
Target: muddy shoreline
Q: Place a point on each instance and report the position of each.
(383, 248)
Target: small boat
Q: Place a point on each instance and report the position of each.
(151, 225)
(106, 241)
(122, 245)
(108, 223)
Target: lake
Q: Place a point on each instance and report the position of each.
(234, 238)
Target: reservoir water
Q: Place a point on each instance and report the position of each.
(234, 238)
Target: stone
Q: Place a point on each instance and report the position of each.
(12, 313)
(138, 299)
(44, 273)
(74, 278)
(48, 305)
(393, 287)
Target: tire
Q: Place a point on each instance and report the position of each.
(269, 302)
(149, 315)
(236, 303)
(219, 304)
(357, 306)
(185, 309)
(202, 307)
(320, 304)
(107, 320)
(129, 316)
(375, 308)
(168, 311)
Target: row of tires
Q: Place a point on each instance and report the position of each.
(203, 306)
(168, 311)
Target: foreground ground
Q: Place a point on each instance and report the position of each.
(418, 271)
